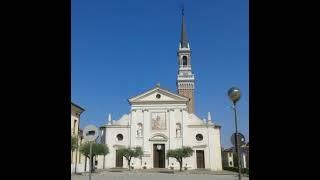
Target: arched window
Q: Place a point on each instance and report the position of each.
(178, 130)
(184, 60)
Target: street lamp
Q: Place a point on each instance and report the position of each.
(234, 95)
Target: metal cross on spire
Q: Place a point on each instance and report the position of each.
(182, 9)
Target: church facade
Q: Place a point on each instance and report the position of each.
(160, 120)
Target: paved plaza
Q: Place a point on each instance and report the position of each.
(156, 176)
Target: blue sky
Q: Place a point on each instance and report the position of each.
(120, 48)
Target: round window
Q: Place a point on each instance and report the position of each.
(120, 137)
(158, 96)
(199, 137)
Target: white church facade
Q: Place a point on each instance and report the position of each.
(160, 120)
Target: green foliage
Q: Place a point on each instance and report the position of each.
(104, 150)
(73, 143)
(128, 153)
(138, 151)
(180, 153)
(235, 169)
(97, 149)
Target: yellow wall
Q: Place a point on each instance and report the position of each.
(75, 120)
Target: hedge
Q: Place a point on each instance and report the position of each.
(235, 169)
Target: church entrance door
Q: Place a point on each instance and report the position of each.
(119, 159)
(159, 156)
(200, 159)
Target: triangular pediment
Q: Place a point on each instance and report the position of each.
(158, 94)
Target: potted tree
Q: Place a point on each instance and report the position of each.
(130, 153)
(180, 153)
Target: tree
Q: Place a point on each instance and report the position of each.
(97, 149)
(73, 143)
(129, 153)
(180, 153)
(104, 152)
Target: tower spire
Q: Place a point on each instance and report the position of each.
(184, 39)
(185, 79)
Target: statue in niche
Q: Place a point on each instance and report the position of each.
(178, 130)
(139, 131)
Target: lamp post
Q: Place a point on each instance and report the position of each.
(234, 95)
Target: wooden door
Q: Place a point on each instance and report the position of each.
(119, 159)
(162, 157)
(159, 156)
(200, 158)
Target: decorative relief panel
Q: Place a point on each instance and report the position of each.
(158, 120)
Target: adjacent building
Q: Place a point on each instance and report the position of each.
(229, 157)
(76, 157)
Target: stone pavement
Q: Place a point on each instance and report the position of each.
(164, 170)
(160, 175)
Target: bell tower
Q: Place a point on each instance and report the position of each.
(185, 79)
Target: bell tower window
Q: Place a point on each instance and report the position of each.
(184, 60)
